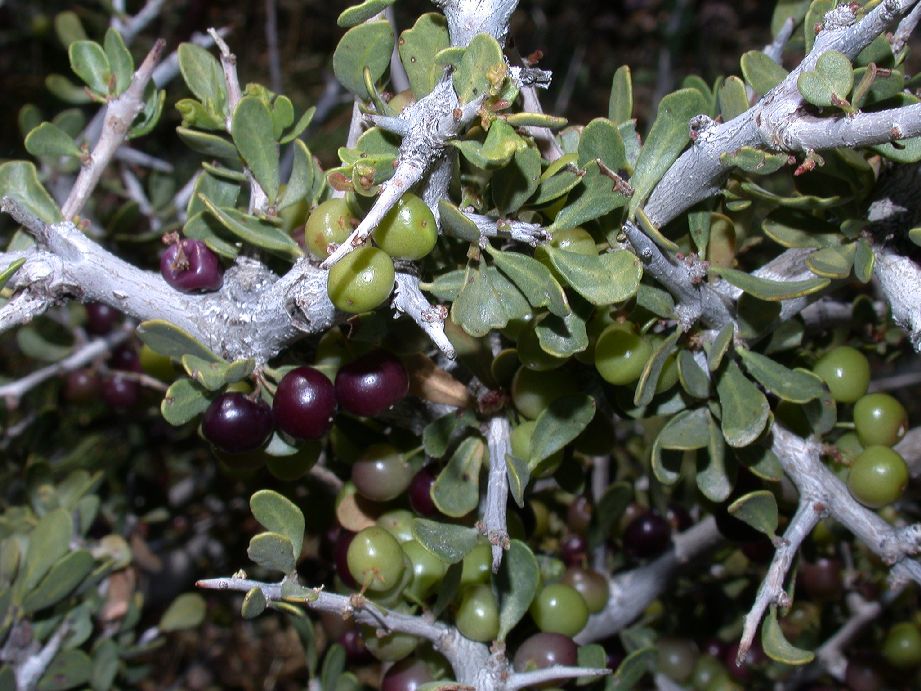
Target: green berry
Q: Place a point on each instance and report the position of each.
(408, 230)
(621, 354)
(477, 616)
(428, 570)
(375, 559)
(878, 477)
(361, 280)
(559, 608)
(879, 419)
(477, 565)
(330, 223)
(533, 391)
(902, 647)
(846, 371)
(520, 440)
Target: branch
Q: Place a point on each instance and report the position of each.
(31, 667)
(771, 591)
(632, 591)
(531, 234)
(904, 31)
(409, 300)
(900, 282)
(132, 27)
(15, 390)
(830, 656)
(774, 49)
(271, 40)
(120, 113)
(467, 18)
(523, 680)
(494, 524)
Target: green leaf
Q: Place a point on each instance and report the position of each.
(864, 260)
(761, 71)
(497, 150)
(687, 430)
(279, 514)
(519, 475)
(299, 127)
(172, 341)
(219, 191)
(902, 151)
(105, 665)
(451, 543)
(272, 551)
(216, 375)
(768, 289)
(733, 98)
(209, 145)
(830, 82)
(620, 103)
(754, 161)
(601, 140)
(120, 60)
(333, 667)
(776, 645)
(656, 300)
(89, 62)
(301, 181)
(10, 271)
(649, 378)
(514, 184)
(185, 612)
(454, 222)
(203, 75)
(254, 603)
(745, 409)
(66, 90)
(667, 138)
(716, 478)
(599, 196)
(536, 120)
(68, 669)
(797, 386)
(366, 45)
(68, 28)
(693, 378)
(633, 668)
(183, 401)
(50, 140)
(203, 226)
(833, 262)
(602, 280)
(757, 509)
(438, 434)
(252, 132)
(533, 279)
(456, 491)
(720, 346)
(362, 12)
(561, 422)
(419, 46)
(516, 583)
(58, 583)
(481, 71)
(47, 543)
(19, 180)
(255, 232)
(564, 336)
(487, 301)
(34, 345)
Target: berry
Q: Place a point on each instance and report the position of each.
(533, 391)
(879, 419)
(408, 674)
(120, 392)
(381, 474)
(375, 559)
(530, 352)
(156, 365)
(191, 266)
(304, 404)
(579, 514)
(902, 647)
(477, 565)
(355, 651)
(371, 384)
(545, 650)
(822, 579)
(477, 615)
(82, 386)
(101, 318)
(878, 477)
(520, 440)
(398, 523)
(676, 658)
(233, 422)
(846, 371)
(361, 280)
(428, 570)
(573, 548)
(591, 585)
(621, 354)
(330, 223)
(559, 608)
(340, 550)
(420, 492)
(125, 358)
(408, 230)
(647, 535)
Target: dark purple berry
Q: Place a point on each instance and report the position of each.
(125, 358)
(647, 535)
(742, 673)
(406, 675)
(120, 392)
(82, 386)
(355, 651)
(101, 318)
(679, 517)
(579, 514)
(822, 579)
(573, 549)
(236, 423)
(545, 650)
(371, 384)
(343, 540)
(420, 492)
(190, 266)
(304, 404)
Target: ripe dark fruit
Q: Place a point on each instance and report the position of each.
(81, 386)
(880, 419)
(573, 548)
(190, 266)
(125, 358)
(846, 371)
(579, 514)
(822, 579)
(420, 492)
(371, 384)
(545, 650)
(120, 392)
(101, 318)
(591, 585)
(406, 675)
(233, 422)
(304, 404)
(877, 477)
(355, 651)
(647, 535)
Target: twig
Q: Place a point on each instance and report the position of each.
(523, 680)
(569, 79)
(409, 300)
(15, 390)
(830, 655)
(138, 158)
(900, 280)
(531, 234)
(271, 40)
(774, 49)
(398, 77)
(133, 26)
(494, 522)
(120, 113)
(29, 670)
(904, 30)
(136, 193)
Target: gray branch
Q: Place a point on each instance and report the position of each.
(494, 523)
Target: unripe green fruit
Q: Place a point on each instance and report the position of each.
(520, 440)
(477, 616)
(559, 608)
(390, 647)
(878, 477)
(532, 355)
(427, 570)
(621, 354)
(361, 280)
(330, 223)
(902, 647)
(879, 419)
(408, 230)
(375, 559)
(846, 371)
(533, 391)
(477, 565)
